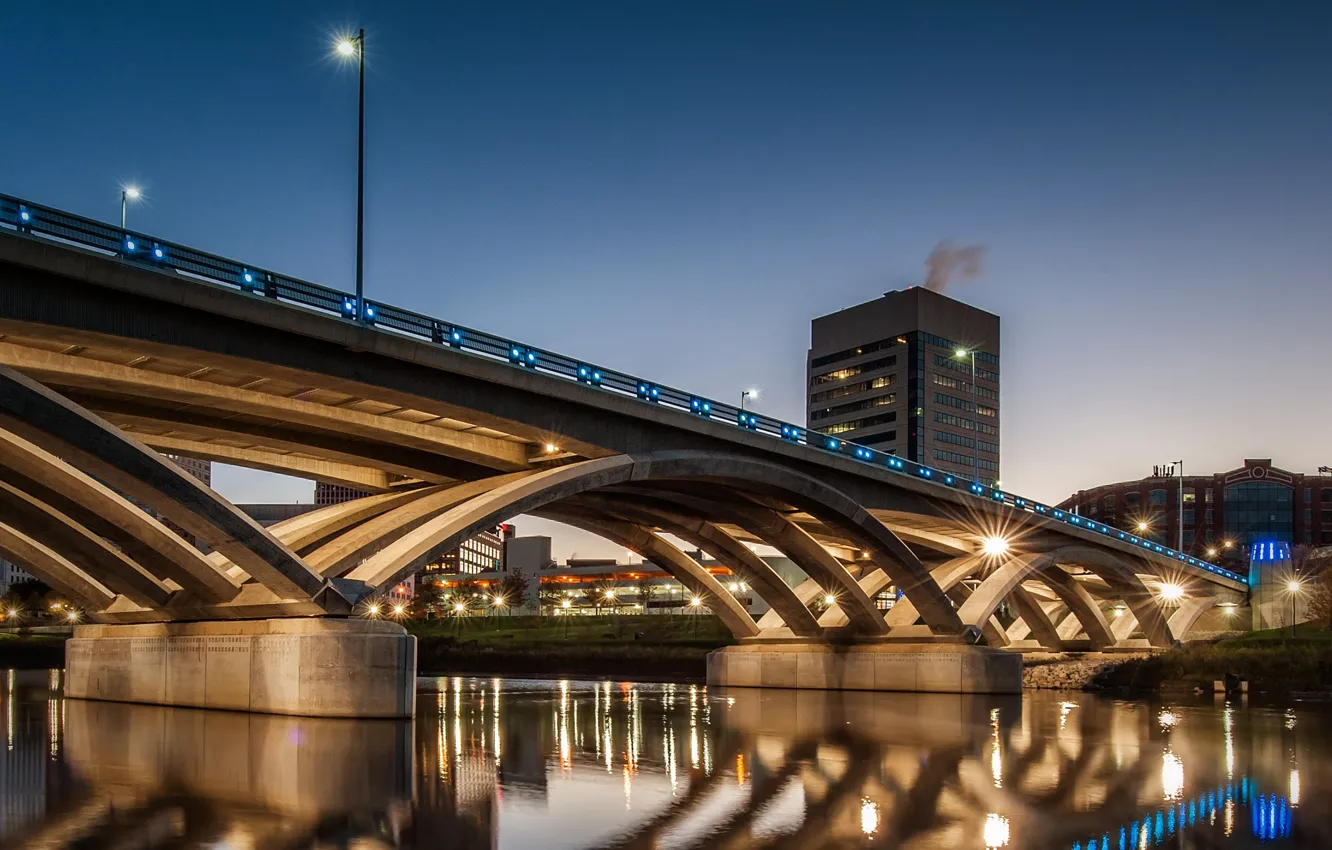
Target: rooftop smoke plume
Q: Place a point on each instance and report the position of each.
(948, 259)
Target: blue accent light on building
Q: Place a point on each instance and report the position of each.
(370, 312)
(832, 445)
(24, 215)
(129, 244)
(348, 307)
(158, 253)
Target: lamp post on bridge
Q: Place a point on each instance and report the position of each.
(747, 394)
(347, 47)
(127, 194)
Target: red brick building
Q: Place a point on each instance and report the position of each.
(1257, 502)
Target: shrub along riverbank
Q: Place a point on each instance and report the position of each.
(1272, 661)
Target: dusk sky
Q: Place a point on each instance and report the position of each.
(675, 189)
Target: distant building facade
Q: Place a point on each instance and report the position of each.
(887, 374)
(10, 575)
(1255, 503)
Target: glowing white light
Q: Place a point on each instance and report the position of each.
(1293, 585)
(734, 586)
(1172, 776)
(830, 599)
(374, 610)
(1171, 592)
(551, 448)
(995, 546)
(399, 609)
(1168, 719)
(1294, 786)
(346, 47)
(1142, 526)
(696, 601)
(869, 817)
(132, 193)
(996, 831)
(459, 607)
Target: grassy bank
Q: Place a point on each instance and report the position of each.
(655, 646)
(1272, 661)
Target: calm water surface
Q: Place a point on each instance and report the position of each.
(503, 763)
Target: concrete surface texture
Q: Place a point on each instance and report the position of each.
(307, 666)
(943, 668)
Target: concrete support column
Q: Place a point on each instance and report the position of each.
(300, 666)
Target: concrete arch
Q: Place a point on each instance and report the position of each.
(1083, 607)
(106, 512)
(1114, 570)
(1188, 612)
(827, 574)
(406, 555)
(946, 575)
(74, 542)
(681, 567)
(737, 557)
(343, 552)
(54, 569)
(60, 426)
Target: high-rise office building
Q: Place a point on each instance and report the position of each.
(896, 373)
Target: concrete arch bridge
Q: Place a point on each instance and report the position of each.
(117, 349)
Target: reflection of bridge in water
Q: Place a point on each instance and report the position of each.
(618, 766)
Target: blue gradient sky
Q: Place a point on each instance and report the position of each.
(676, 188)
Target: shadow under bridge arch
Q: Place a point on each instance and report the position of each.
(410, 552)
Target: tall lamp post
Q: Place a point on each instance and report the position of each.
(347, 47)
(975, 438)
(745, 395)
(127, 194)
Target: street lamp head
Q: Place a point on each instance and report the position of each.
(829, 599)
(132, 193)
(1293, 585)
(961, 352)
(696, 601)
(346, 46)
(1171, 592)
(1142, 525)
(459, 607)
(374, 610)
(995, 546)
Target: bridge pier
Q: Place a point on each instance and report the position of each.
(941, 668)
(300, 666)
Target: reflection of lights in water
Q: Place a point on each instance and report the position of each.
(739, 768)
(1230, 817)
(1290, 718)
(1172, 776)
(1064, 709)
(693, 748)
(996, 831)
(1228, 723)
(442, 738)
(1294, 786)
(670, 760)
(496, 719)
(628, 788)
(1168, 719)
(996, 756)
(869, 816)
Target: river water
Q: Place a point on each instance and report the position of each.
(510, 763)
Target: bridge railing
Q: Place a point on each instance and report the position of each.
(143, 250)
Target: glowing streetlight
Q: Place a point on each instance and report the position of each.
(72, 616)
(551, 448)
(994, 546)
(829, 599)
(1143, 527)
(459, 607)
(1229, 544)
(399, 609)
(1211, 553)
(734, 586)
(127, 194)
(374, 610)
(1171, 592)
(746, 394)
(346, 48)
(1293, 585)
(695, 602)
(566, 604)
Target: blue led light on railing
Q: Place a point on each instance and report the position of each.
(348, 307)
(896, 463)
(864, 453)
(977, 489)
(1059, 514)
(370, 312)
(1040, 509)
(456, 337)
(832, 445)
(1075, 520)
(928, 473)
(589, 375)
(1021, 503)
(129, 244)
(948, 479)
(246, 277)
(997, 495)
(158, 253)
(24, 215)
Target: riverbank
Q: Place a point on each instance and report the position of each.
(1273, 662)
(656, 646)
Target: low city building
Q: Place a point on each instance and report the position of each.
(1220, 512)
